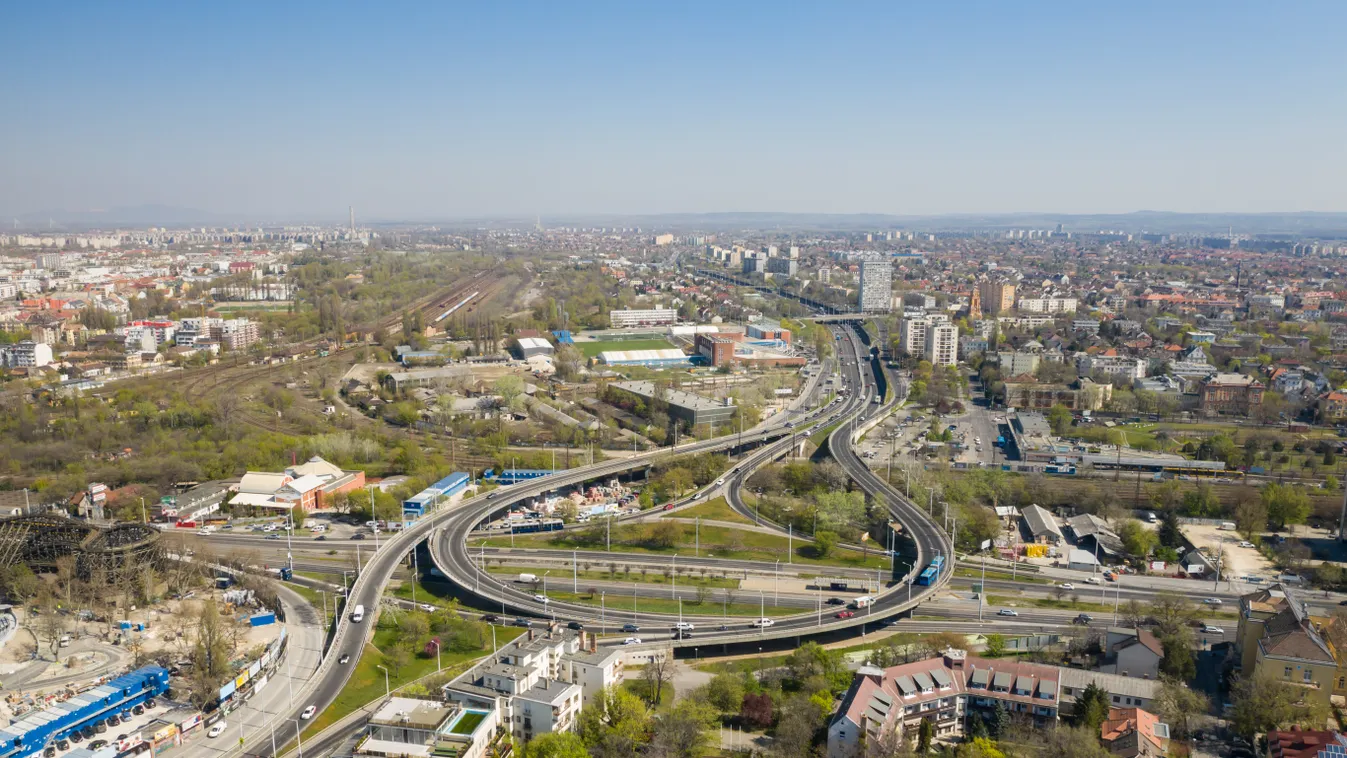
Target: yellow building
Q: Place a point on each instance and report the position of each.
(1278, 638)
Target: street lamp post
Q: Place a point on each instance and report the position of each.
(776, 584)
(673, 574)
(387, 691)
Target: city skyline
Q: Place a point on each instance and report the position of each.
(259, 113)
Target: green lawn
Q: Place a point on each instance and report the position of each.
(592, 349)
(818, 437)
(617, 602)
(717, 541)
(635, 684)
(366, 683)
(972, 572)
(652, 577)
(717, 510)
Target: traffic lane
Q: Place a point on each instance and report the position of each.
(1097, 620)
(662, 561)
(1086, 591)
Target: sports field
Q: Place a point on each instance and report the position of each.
(591, 349)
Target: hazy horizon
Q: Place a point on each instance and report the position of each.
(261, 112)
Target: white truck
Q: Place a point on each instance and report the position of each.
(864, 601)
(528, 579)
(358, 614)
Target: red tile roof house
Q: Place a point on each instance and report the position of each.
(947, 689)
(1134, 733)
(1302, 743)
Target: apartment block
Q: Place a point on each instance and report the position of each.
(622, 319)
(876, 290)
(25, 354)
(996, 296)
(942, 345)
(912, 334)
(1048, 304)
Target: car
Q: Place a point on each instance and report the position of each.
(1246, 543)
(139, 709)
(273, 536)
(88, 732)
(1083, 618)
(358, 536)
(630, 628)
(541, 598)
(632, 641)
(308, 712)
(113, 720)
(49, 751)
(720, 481)
(344, 659)
(836, 601)
(1067, 586)
(63, 744)
(724, 627)
(1209, 629)
(845, 614)
(684, 626)
(682, 635)
(427, 607)
(1093, 580)
(98, 744)
(100, 727)
(1007, 612)
(521, 622)
(668, 506)
(320, 538)
(491, 618)
(151, 703)
(763, 623)
(576, 625)
(1212, 601)
(217, 730)
(372, 524)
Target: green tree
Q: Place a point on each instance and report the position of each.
(1169, 532)
(824, 543)
(616, 716)
(1201, 502)
(1251, 518)
(925, 734)
(1092, 707)
(999, 721)
(1059, 418)
(297, 516)
(1178, 662)
(1137, 540)
(1285, 503)
(1177, 705)
(556, 745)
(996, 645)
(980, 747)
(726, 692)
(1263, 703)
(1172, 612)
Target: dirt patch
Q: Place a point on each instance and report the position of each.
(1239, 561)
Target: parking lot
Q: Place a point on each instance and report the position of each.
(1238, 561)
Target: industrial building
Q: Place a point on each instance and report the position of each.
(665, 358)
(30, 734)
(419, 504)
(683, 406)
(529, 347)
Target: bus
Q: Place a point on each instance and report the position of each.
(931, 573)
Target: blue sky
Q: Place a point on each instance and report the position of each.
(444, 110)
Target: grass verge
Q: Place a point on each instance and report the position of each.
(619, 603)
(717, 509)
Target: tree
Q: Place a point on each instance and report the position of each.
(658, 672)
(1137, 540)
(1092, 708)
(824, 543)
(925, 733)
(980, 747)
(1251, 517)
(556, 745)
(1172, 612)
(998, 722)
(1286, 504)
(396, 658)
(726, 692)
(1178, 662)
(297, 516)
(509, 388)
(1070, 742)
(1263, 703)
(1169, 532)
(615, 716)
(1201, 501)
(757, 710)
(996, 645)
(665, 535)
(1177, 705)
(1059, 418)
(684, 731)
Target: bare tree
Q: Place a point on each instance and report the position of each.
(658, 672)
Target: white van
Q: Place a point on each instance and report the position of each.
(864, 601)
(358, 614)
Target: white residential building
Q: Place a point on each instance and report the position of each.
(622, 319)
(540, 681)
(942, 345)
(912, 335)
(876, 290)
(25, 354)
(1048, 304)
(1113, 365)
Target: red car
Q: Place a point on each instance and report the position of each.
(668, 506)
(845, 614)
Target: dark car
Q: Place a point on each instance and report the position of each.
(344, 659)
(49, 751)
(63, 744)
(630, 628)
(1083, 618)
(88, 732)
(100, 727)
(836, 601)
(96, 744)
(682, 635)
(138, 710)
(575, 625)
(113, 720)
(358, 536)
(76, 737)
(320, 538)
(491, 618)
(521, 622)
(151, 703)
